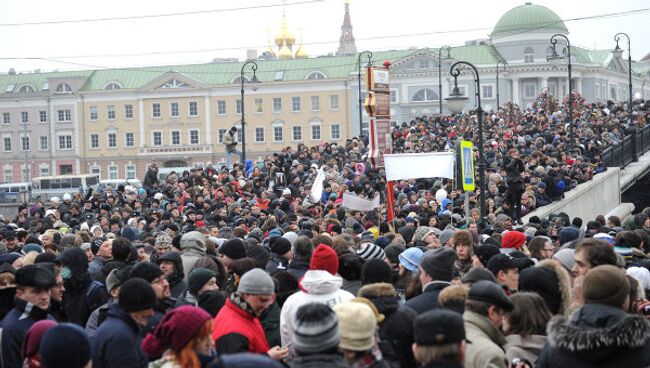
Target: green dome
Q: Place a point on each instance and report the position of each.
(529, 17)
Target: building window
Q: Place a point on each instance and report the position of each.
(424, 95)
(156, 138)
(173, 110)
(26, 89)
(128, 111)
(487, 91)
(63, 88)
(95, 170)
(393, 96)
(112, 85)
(175, 83)
(278, 134)
(612, 93)
(194, 108)
(315, 132)
(335, 131)
(529, 55)
(110, 112)
(259, 105)
(112, 172)
(315, 76)
(529, 90)
(221, 107)
(112, 140)
(129, 139)
(43, 143)
(238, 106)
(296, 133)
(65, 142)
(7, 144)
(130, 171)
(259, 135)
(24, 143)
(315, 103)
(45, 171)
(42, 116)
(6, 118)
(94, 141)
(222, 133)
(334, 102)
(194, 136)
(277, 104)
(295, 104)
(176, 138)
(155, 110)
(93, 113)
(24, 117)
(64, 115)
(8, 175)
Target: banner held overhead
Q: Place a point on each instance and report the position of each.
(419, 165)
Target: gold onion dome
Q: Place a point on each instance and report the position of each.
(301, 53)
(285, 37)
(285, 53)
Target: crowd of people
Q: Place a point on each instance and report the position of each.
(239, 267)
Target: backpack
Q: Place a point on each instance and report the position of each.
(94, 299)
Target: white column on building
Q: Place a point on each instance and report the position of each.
(208, 120)
(544, 82)
(141, 118)
(577, 84)
(515, 91)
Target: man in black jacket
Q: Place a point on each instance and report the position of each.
(436, 271)
(514, 167)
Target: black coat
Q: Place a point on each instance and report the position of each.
(318, 361)
(395, 331)
(428, 300)
(116, 343)
(597, 336)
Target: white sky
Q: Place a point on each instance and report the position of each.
(229, 34)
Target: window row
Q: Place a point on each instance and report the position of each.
(64, 143)
(174, 109)
(175, 139)
(296, 132)
(276, 104)
(130, 171)
(64, 115)
(111, 113)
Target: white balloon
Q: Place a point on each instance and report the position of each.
(441, 195)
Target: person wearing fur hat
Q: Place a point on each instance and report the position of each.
(600, 333)
(321, 284)
(436, 271)
(462, 242)
(182, 339)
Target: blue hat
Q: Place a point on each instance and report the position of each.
(410, 258)
(65, 345)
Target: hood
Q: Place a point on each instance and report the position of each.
(564, 283)
(193, 241)
(382, 295)
(320, 282)
(597, 332)
(178, 265)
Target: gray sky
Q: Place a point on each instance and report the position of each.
(229, 34)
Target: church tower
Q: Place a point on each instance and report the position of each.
(346, 42)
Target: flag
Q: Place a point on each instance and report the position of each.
(390, 202)
(317, 188)
(359, 204)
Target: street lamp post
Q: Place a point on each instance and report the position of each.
(369, 56)
(504, 67)
(448, 48)
(555, 58)
(618, 50)
(455, 102)
(254, 79)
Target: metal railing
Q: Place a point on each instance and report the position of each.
(628, 150)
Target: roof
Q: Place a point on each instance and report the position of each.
(529, 17)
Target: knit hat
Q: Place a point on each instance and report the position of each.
(513, 239)
(163, 240)
(136, 295)
(606, 285)
(445, 235)
(438, 327)
(544, 282)
(315, 329)
(324, 258)
(280, 246)
(485, 252)
(410, 259)
(274, 233)
(175, 330)
(197, 278)
(291, 236)
(393, 251)
(369, 251)
(374, 271)
(233, 248)
(350, 266)
(34, 336)
(256, 282)
(641, 274)
(65, 346)
(112, 281)
(357, 325)
(568, 234)
(439, 263)
(566, 258)
(259, 253)
(94, 246)
(146, 271)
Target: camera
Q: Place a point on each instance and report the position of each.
(646, 310)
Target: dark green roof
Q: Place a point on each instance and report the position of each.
(529, 17)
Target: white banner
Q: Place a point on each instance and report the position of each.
(317, 188)
(419, 165)
(359, 204)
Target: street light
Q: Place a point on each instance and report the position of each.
(504, 67)
(448, 48)
(369, 56)
(554, 59)
(254, 81)
(455, 102)
(618, 51)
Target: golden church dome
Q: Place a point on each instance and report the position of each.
(285, 53)
(301, 53)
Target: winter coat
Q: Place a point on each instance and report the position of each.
(318, 361)
(95, 267)
(116, 343)
(211, 301)
(276, 264)
(597, 335)
(270, 320)
(428, 300)
(232, 320)
(487, 341)
(297, 268)
(527, 348)
(351, 286)
(193, 246)
(317, 287)
(14, 328)
(97, 317)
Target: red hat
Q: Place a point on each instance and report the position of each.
(175, 330)
(513, 239)
(324, 258)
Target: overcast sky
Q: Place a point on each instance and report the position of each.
(378, 25)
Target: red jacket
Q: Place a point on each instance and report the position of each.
(232, 319)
